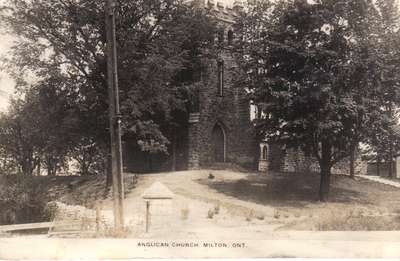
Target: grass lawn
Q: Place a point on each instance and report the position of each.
(247, 204)
(353, 204)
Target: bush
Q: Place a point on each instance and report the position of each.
(216, 209)
(50, 210)
(250, 216)
(22, 200)
(210, 214)
(185, 213)
(260, 216)
(277, 215)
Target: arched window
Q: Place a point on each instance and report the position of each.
(230, 37)
(220, 72)
(221, 36)
(218, 141)
(265, 153)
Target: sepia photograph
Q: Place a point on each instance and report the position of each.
(199, 129)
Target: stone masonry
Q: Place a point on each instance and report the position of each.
(220, 130)
(223, 110)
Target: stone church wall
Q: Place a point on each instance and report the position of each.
(230, 111)
(296, 161)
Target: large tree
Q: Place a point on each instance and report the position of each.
(19, 137)
(314, 71)
(62, 43)
(38, 131)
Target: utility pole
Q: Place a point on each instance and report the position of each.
(115, 118)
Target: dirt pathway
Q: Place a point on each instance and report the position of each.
(197, 210)
(382, 180)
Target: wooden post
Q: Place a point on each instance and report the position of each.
(352, 160)
(173, 168)
(391, 145)
(114, 115)
(147, 216)
(378, 165)
(97, 218)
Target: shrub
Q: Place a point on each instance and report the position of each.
(250, 216)
(260, 216)
(22, 200)
(50, 210)
(185, 213)
(277, 215)
(210, 214)
(216, 209)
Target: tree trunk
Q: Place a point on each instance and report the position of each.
(26, 170)
(51, 167)
(352, 161)
(150, 162)
(325, 183)
(83, 168)
(48, 167)
(325, 165)
(378, 165)
(390, 145)
(390, 160)
(108, 170)
(173, 167)
(84, 165)
(26, 165)
(39, 167)
(108, 174)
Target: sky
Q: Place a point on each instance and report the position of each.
(228, 2)
(6, 84)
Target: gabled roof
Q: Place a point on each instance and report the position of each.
(158, 191)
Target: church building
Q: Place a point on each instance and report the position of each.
(220, 132)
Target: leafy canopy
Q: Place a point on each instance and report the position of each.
(321, 73)
(62, 43)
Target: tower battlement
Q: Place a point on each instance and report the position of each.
(223, 12)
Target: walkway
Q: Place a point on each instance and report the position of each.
(394, 183)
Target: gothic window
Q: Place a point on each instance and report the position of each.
(230, 37)
(253, 112)
(220, 72)
(265, 153)
(221, 36)
(218, 141)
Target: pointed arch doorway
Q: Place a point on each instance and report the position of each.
(218, 141)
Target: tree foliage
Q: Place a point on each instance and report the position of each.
(315, 72)
(37, 132)
(62, 45)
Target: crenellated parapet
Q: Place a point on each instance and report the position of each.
(224, 14)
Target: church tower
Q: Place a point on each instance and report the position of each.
(220, 130)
